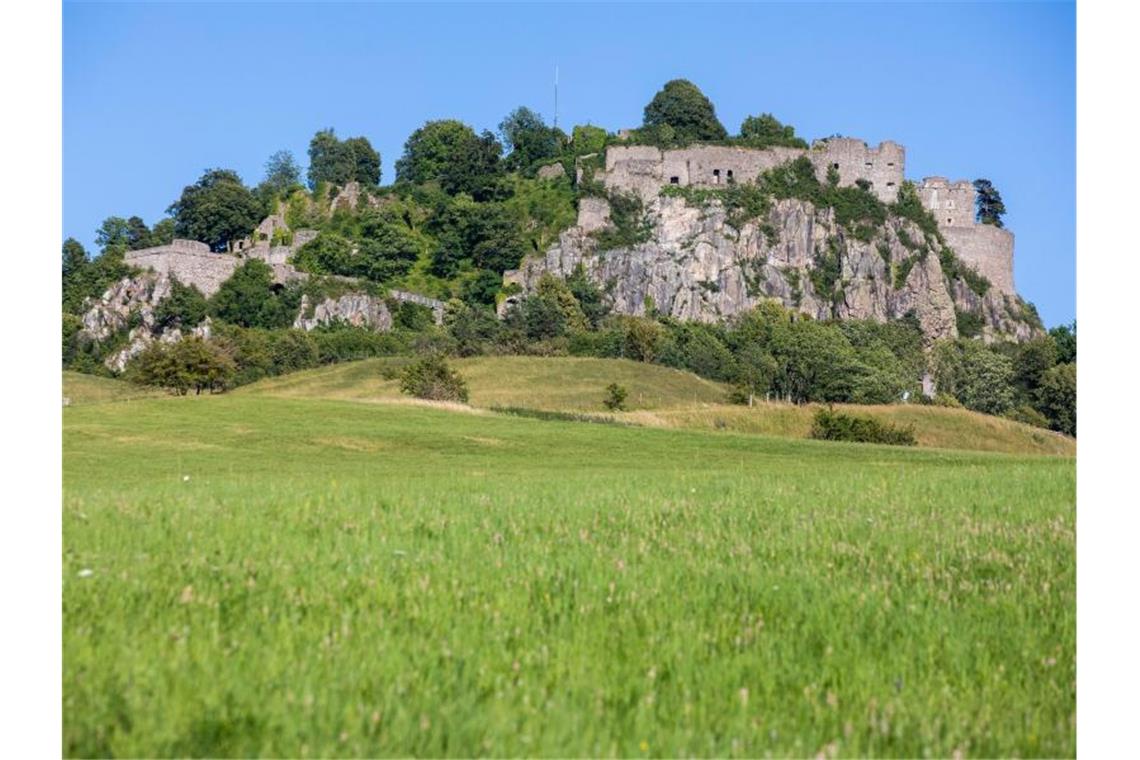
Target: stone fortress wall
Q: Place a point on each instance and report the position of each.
(986, 248)
(645, 169)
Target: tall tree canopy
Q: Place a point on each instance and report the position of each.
(990, 208)
(450, 153)
(528, 138)
(338, 162)
(682, 106)
(281, 173)
(216, 209)
(765, 130)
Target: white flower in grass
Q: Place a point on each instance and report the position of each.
(185, 478)
(86, 572)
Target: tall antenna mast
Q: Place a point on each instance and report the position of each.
(556, 97)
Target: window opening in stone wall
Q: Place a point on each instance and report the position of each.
(835, 166)
(674, 180)
(716, 176)
(867, 164)
(890, 184)
(890, 163)
(730, 175)
(949, 220)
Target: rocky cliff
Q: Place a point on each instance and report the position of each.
(695, 265)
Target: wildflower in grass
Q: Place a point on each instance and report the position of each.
(644, 746)
(185, 478)
(743, 694)
(86, 572)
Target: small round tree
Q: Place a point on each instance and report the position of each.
(431, 378)
(681, 105)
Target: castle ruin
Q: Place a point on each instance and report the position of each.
(645, 170)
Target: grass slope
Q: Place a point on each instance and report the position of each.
(251, 575)
(662, 397)
(81, 389)
(562, 384)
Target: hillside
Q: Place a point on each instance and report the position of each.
(80, 389)
(658, 397)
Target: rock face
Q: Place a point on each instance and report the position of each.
(129, 296)
(141, 338)
(697, 266)
(356, 309)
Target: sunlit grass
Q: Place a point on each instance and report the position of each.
(251, 575)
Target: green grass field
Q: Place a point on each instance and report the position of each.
(659, 397)
(255, 574)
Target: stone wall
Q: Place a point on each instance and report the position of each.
(952, 203)
(644, 169)
(190, 262)
(987, 249)
(855, 160)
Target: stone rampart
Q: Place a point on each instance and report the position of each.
(437, 307)
(952, 203)
(987, 249)
(855, 160)
(644, 169)
(188, 261)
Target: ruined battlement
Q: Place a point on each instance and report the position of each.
(645, 169)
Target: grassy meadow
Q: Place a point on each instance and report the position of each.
(658, 397)
(278, 571)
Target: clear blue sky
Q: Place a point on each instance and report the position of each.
(155, 94)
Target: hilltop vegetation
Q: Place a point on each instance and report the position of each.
(465, 206)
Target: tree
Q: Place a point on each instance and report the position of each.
(1031, 361)
(185, 365)
(682, 106)
(365, 161)
(528, 138)
(586, 139)
(216, 209)
(330, 160)
(615, 397)
(1057, 398)
(988, 203)
(1065, 338)
(248, 299)
(450, 153)
(432, 378)
(119, 234)
(77, 276)
(977, 376)
(184, 307)
(766, 130)
(282, 174)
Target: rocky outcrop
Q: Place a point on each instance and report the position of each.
(129, 296)
(356, 309)
(141, 338)
(697, 266)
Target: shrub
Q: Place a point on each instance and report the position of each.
(946, 400)
(830, 425)
(615, 397)
(432, 378)
(1027, 414)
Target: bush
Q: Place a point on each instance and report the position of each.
(1027, 414)
(830, 425)
(432, 378)
(615, 397)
